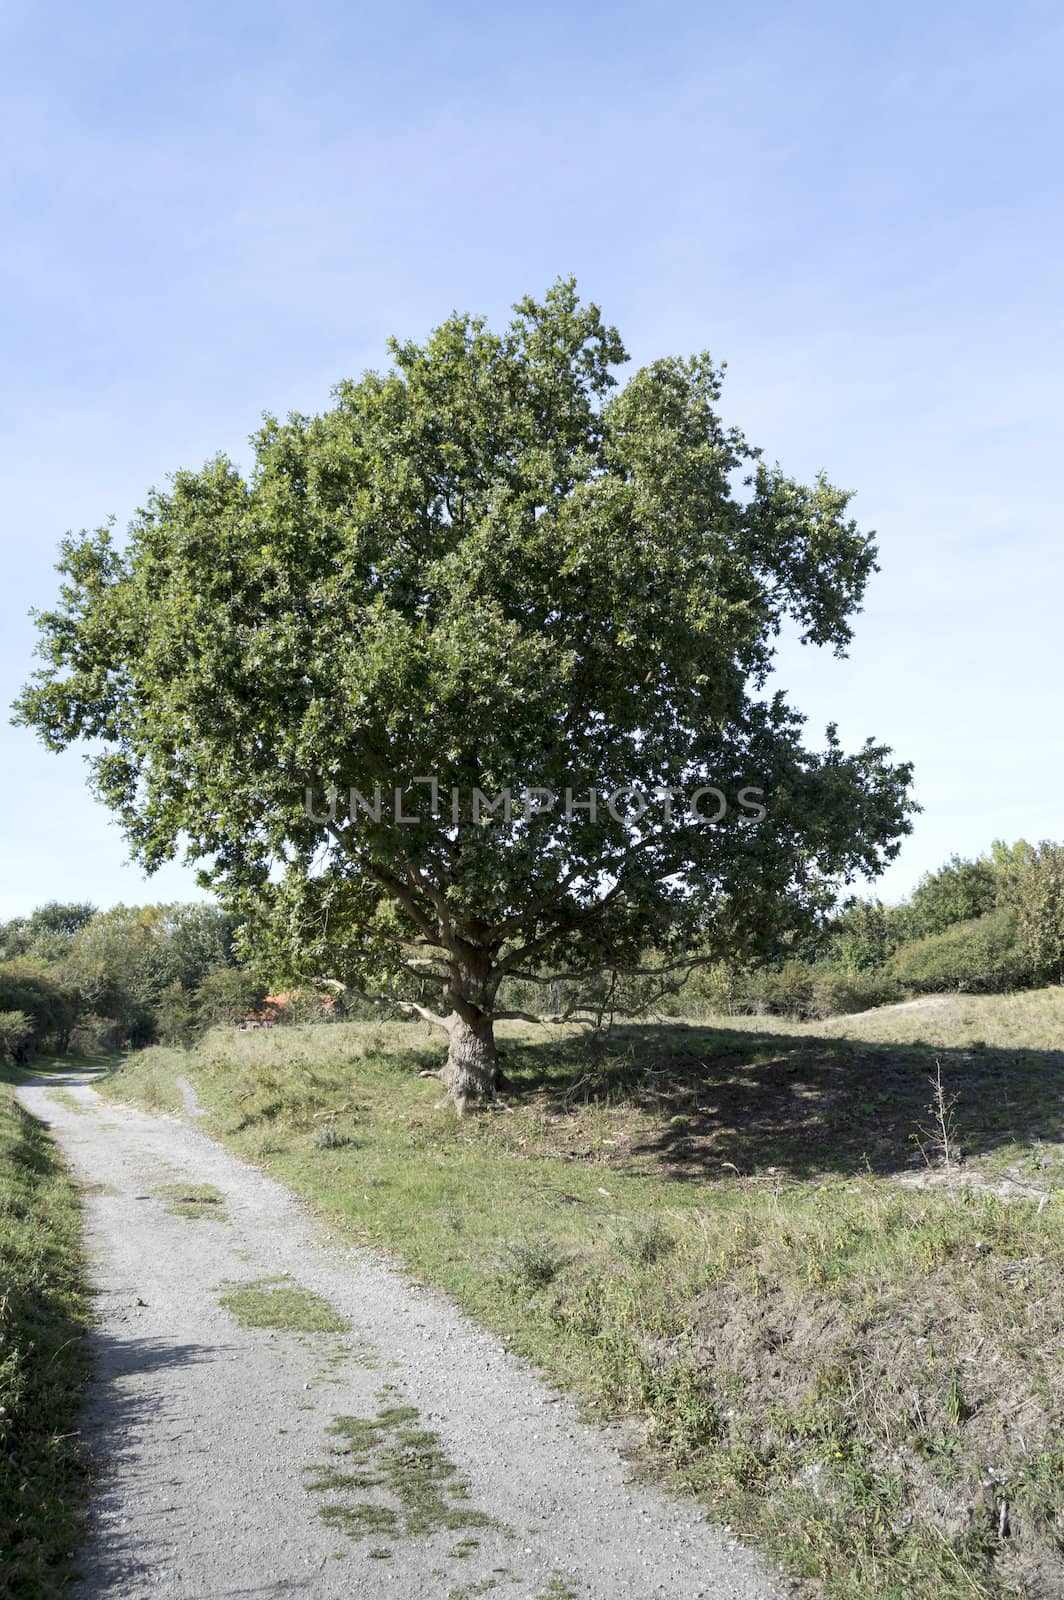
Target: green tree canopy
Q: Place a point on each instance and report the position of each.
(122, 961)
(228, 994)
(495, 566)
(49, 1007)
(47, 932)
(863, 934)
(955, 893)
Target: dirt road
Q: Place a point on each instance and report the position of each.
(460, 1475)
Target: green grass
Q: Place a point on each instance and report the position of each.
(193, 1200)
(418, 1490)
(728, 1230)
(44, 1360)
(280, 1303)
(157, 1071)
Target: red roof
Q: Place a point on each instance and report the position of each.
(274, 1004)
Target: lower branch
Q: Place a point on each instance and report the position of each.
(412, 1006)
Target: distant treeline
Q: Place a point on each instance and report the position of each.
(74, 978)
(979, 926)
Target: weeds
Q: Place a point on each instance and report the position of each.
(391, 1455)
(649, 1241)
(531, 1264)
(558, 1589)
(937, 1139)
(44, 1360)
(329, 1137)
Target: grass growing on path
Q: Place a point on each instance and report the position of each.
(280, 1303)
(44, 1360)
(193, 1200)
(731, 1233)
(63, 1097)
(400, 1462)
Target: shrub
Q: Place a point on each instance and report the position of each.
(961, 891)
(649, 1241)
(228, 994)
(93, 1035)
(531, 1264)
(789, 992)
(329, 1137)
(719, 989)
(863, 935)
(842, 993)
(983, 956)
(811, 991)
(176, 1015)
(1034, 891)
(47, 1005)
(15, 1030)
(785, 991)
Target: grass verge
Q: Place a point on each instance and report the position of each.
(849, 1349)
(157, 1071)
(44, 1360)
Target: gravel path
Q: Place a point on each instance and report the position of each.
(205, 1429)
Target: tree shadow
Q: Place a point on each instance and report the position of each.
(59, 1072)
(116, 1412)
(708, 1103)
(143, 1522)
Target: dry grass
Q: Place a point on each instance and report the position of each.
(1032, 1019)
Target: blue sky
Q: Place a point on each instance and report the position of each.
(211, 211)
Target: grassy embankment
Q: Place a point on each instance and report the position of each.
(848, 1346)
(44, 1359)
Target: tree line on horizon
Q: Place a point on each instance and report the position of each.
(986, 925)
(74, 978)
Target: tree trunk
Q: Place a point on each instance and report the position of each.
(472, 1069)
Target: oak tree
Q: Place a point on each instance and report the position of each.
(496, 567)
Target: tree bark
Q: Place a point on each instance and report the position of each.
(472, 1069)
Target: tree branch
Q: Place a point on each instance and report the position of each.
(387, 1000)
(390, 882)
(520, 1016)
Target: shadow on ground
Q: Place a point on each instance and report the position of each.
(708, 1102)
(59, 1072)
(118, 1411)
